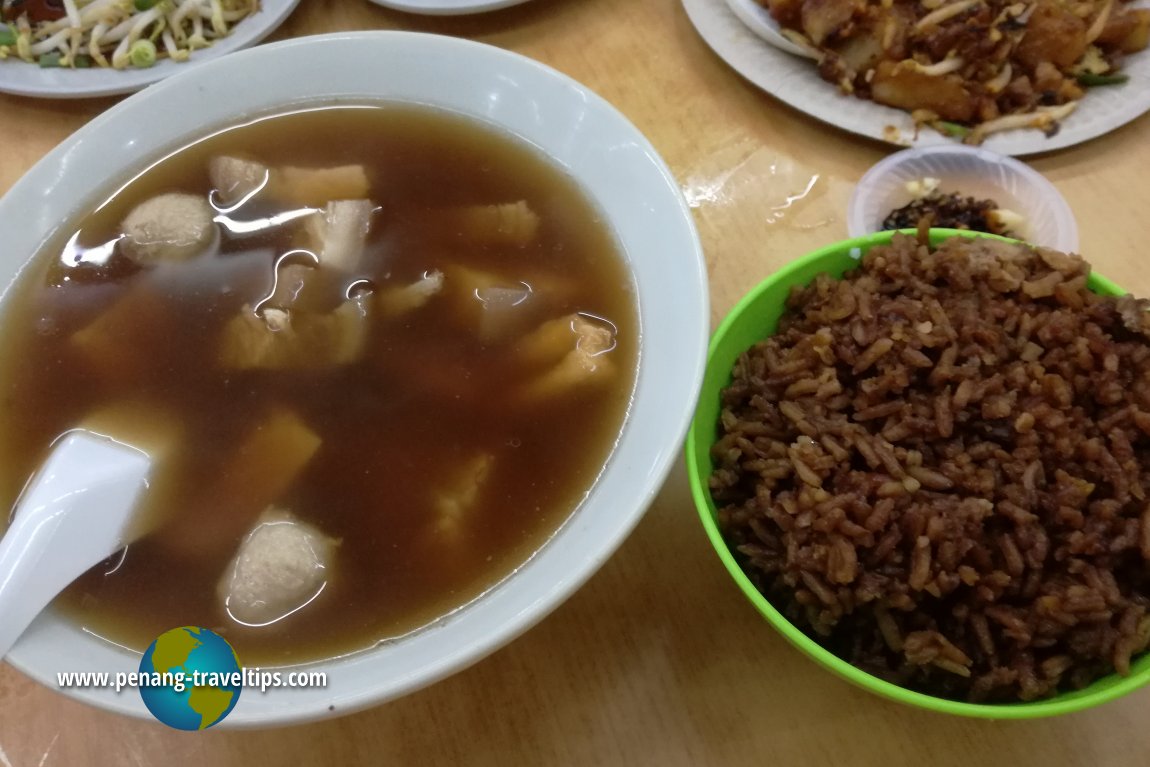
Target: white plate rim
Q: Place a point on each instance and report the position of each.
(794, 81)
(447, 7)
(20, 78)
(758, 19)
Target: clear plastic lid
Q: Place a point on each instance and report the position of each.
(1046, 219)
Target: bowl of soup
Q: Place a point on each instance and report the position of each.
(411, 327)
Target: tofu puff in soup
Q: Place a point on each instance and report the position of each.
(396, 362)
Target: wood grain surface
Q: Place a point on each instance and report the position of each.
(658, 660)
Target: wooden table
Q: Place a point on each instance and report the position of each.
(659, 660)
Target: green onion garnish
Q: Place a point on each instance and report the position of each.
(1090, 80)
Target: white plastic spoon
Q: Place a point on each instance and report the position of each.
(77, 511)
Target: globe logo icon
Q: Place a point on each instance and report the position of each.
(190, 678)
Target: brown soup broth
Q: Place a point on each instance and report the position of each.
(423, 400)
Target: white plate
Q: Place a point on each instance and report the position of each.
(24, 79)
(795, 81)
(447, 7)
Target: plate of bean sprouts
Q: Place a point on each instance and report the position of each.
(91, 48)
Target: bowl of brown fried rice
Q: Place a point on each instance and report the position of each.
(925, 459)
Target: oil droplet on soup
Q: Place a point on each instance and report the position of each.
(386, 352)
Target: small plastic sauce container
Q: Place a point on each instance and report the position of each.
(969, 172)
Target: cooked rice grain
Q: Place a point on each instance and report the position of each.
(937, 467)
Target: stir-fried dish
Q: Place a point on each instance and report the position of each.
(114, 33)
(968, 67)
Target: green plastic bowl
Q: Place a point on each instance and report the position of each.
(755, 318)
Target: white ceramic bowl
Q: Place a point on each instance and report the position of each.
(972, 172)
(605, 154)
(447, 7)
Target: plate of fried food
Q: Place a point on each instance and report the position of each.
(90, 48)
(1017, 77)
